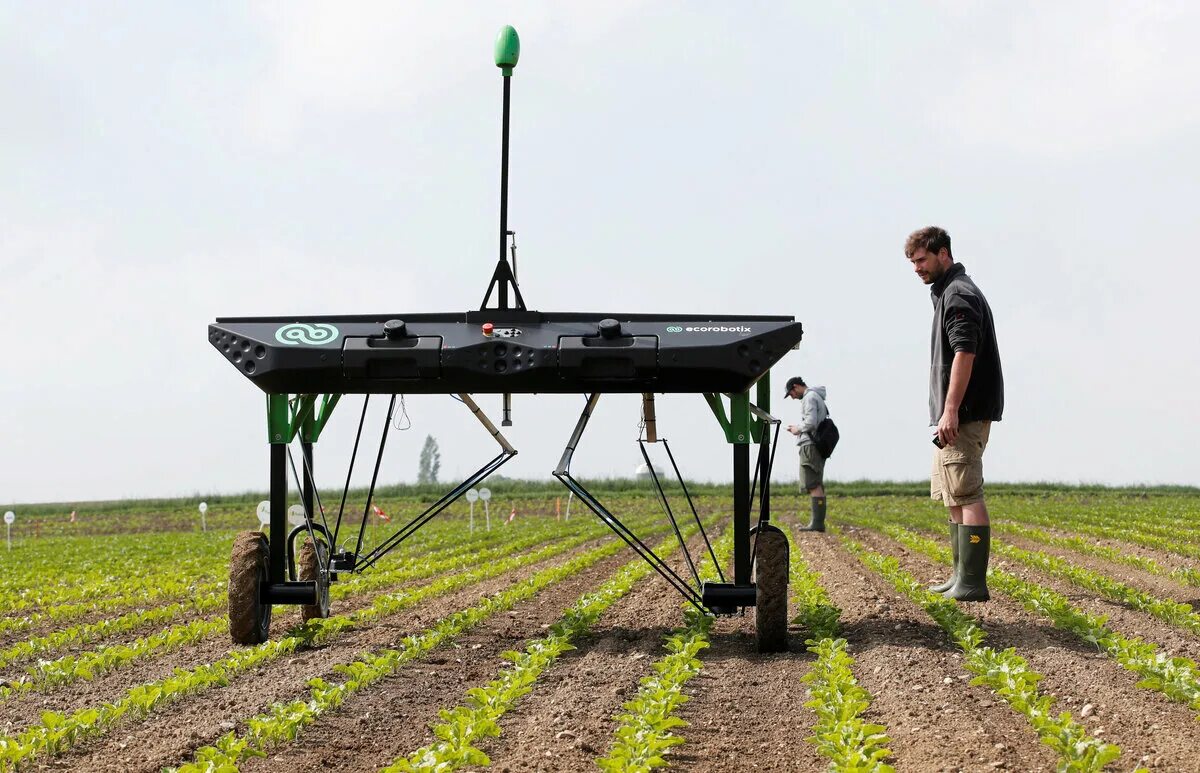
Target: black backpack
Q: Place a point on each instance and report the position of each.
(826, 437)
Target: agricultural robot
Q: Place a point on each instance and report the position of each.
(307, 365)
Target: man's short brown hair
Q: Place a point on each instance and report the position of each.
(931, 239)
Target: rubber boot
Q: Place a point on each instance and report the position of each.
(942, 587)
(818, 516)
(974, 543)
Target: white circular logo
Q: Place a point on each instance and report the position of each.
(309, 335)
(203, 508)
(264, 512)
(485, 494)
(10, 516)
(472, 495)
(296, 514)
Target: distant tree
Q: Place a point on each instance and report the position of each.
(431, 462)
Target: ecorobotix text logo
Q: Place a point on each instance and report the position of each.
(718, 329)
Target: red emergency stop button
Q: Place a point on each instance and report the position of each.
(488, 327)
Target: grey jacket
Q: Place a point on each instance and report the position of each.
(962, 322)
(813, 412)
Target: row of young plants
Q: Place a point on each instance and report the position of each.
(91, 568)
(464, 727)
(62, 564)
(645, 731)
(165, 575)
(284, 721)
(1182, 574)
(1176, 677)
(1004, 672)
(87, 633)
(1169, 611)
(87, 665)
(458, 554)
(852, 744)
(154, 592)
(1115, 528)
(57, 732)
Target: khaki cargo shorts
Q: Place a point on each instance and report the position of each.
(812, 467)
(957, 475)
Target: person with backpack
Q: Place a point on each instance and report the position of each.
(810, 432)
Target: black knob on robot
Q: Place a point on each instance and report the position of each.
(394, 328)
(610, 328)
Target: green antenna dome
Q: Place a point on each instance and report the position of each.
(508, 50)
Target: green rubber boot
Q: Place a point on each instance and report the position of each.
(818, 516)
(974, 544)
(942, 587)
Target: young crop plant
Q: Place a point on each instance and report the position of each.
(852, 744)
(645, 731)
(1176, 677)
(1004, 672)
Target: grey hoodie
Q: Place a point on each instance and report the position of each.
(813, 412)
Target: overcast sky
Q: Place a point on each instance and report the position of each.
(162, 164)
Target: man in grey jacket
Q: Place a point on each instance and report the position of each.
(812, 464)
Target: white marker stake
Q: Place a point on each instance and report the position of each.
(472, 495)
(485, 495)
(9, 517)
(570, 498)
(203, 520)
(264, 513)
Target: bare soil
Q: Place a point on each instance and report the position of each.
(1149, 728)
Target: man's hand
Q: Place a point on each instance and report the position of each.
(960, 376)
(792, 428)
(947, 428)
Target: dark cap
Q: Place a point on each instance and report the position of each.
(791, 382)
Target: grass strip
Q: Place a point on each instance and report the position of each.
(1004, 672)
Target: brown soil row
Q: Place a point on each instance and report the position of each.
(1148, 727)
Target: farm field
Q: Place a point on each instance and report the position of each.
(547, 645)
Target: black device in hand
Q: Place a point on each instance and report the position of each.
(937, 441)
